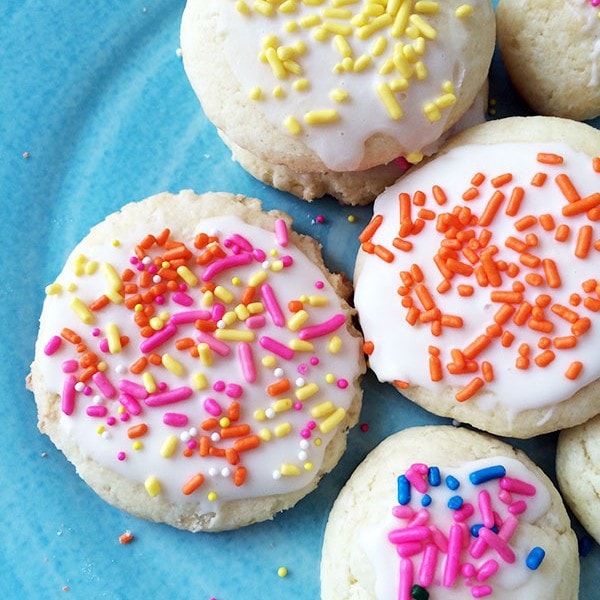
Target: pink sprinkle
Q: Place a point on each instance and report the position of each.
(192, 444)
(517, 486)
(159, 300)
(103, 345)
(53, 345)
(219, 385)
(320, 219)
(467, 570)
(406, 579)
(130, 403)
(420, 517)
(518, 507)
(505, 497)
(403, 511)
(287, 261)
(259, 255)
(314, 361)
(242, 242)
(297, 405)
(487, 569)
(183, 299)
(96, 410)
(87, 391)
(508, 528)
(303, 368)
(124, 417)
(484, 502)
(464, 512)
(276, 347)
(439, 539)
(305, 433)
(95, 332)
(175, 419)
(408, 549)
(311, 425)
(364, 427)
(479, 591)
(218, 310)
(321, 329)
(169, 397)
(402, 162)
(111, 421)
(212, 407)
(428, 565)
(153, 269)
(416, 479)
(319, 285)
(281, 232)
(121, 456)
(418, 533)
(255, 322)
(218, 346)
(246, 356)
(498, 544)
(183, 287)
(453, 556)
(233, 390)
(70, 366)
(158, 338)
(104, 385)
(224, 264)
(68, 395)
(342, 384)
(272, 305)
(189, 316)
(134, 260)
(133, 389)
(140, 266)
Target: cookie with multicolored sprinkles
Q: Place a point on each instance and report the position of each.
(551, 50)
(477, 283)
(448, 513)
(307, 92)
(197, 362)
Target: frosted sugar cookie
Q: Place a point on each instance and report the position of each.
(305, 92)
(477, 281)
(551, 50)
(196, 361)
(578, 472)
(447, 513)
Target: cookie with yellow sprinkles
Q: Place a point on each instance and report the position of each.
(477, 279)
(335, 96)
(197, 362)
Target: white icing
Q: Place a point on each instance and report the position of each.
(263, 464)
(382, 555)
(401, 351)
(340, 145)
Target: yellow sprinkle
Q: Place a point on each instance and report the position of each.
(412, 32)
(82, 311)
(212, 496)
(242, 312)
(432, 112)
(282, 429)
(113, 337)
(168, 446)
(318, 300)
(402, 65)
(343, 2)
(448, 87)
(137, 445)
(362, 62)
(259, 414)
(229, 318)
(282, 571)
(264, 435)
(234, 335)
(387, 67)
(464, 10)
(102, 366)
(337, 13)
(291, 66)
(207, 298)
(199, 381)
(291, 26)
(286, 53)
(242, 7)
(156, 323)
(71, 287)
(306, 391)
(297, 320)
(320, 117)
(301, 85)
(282, 405)
(275, 63)
(111, 276)
(419, 45)
(256, 93)
(308, 466)
(373, 9)
(165, 315)
(427, 7)
(53, 289)
(269, 361)
(338, 95)
(121, 410)
(257, 278)
(289, 470)
(236, 281)
(332, 420)
(224, 422)
(320, 34)
(414, 157)
(149, 382)
(263, 7)
(323, 409)
(423, 27)
(173, 365)
(205, 354)
(379, 46)
(351, 218)
(420, 70)
(114, 296)
(187, 275)
(310, 21)
(398, 84)
(337, 28)
(166, 264)
(334, 345)
(342, 46)
(288, 6)
(375, 25)
(401, 17)
(359, 20)
(347, 63)
(301, 345)
(445, 100)
(222, 293)
(410, 53)
(276, 266)
(116, 243)
(389, 101)
(318, 441)
(255, 308)
(152, 486)
(293, 125)
(91, 267)
(100, 429)
(138, 308)
(330, 378)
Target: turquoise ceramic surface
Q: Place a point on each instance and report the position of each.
(95, 111)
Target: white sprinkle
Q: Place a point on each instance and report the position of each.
(304, 444)
(225, 472)
(300, 382)
(278, 372)
(276, 475)
(79, 386)
(184, 436)
(302, 455)
(213, 471)
(270, 413)
(215, 437)
(193, 432)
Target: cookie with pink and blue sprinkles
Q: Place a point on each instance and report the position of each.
(197, 362)
(448, 513)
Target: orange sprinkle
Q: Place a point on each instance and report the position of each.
(184, 343)
(580, 206)
(479, 344)
(127, 274)
(470, 389)
(484, 238)
(465, 290)
(515, 244)
(206, 326)
(126, 538)
(247, 443)
(470, 194)
(439, 195)
(239, 476)
(524, 349)
(531, 239)
(435, 368)
(86, 374)
(548, 158)
(573, 370)
(424, 296)
(383, 253)
(491, 270)
(200, 241)
(478, 178)
(551, 273)
(547, 222)
(491, 208)
(428, 316)
(426, 214)
(88, 359)
(544, 358)
(405, 214)
(562, 233)
(407, 278)
(209, 423)
(419, 198)
(487, 370)
(481, 277)
(139, 365)
(592, 304)
(443, 286)
(235, 431)
(458, 358)
(596, 164)
(543, 300)
(594, 214)
(401, 244)
(70, 336)
(369, 231)
(564, 183)
(539, 179)
(436, 328)
(136, 431)
(459, 268)
(522, 362)
(544, 342)
(529, 260)
(155, 359)
(204, 445)
(565, 313)
(501, 180)
(514, 202)
(232, 456)
(534, 279)
(417, 227)
(504, 313)
(470, 255)
(220, 452)
(192, 484)
(580, 326)
(133, 301)
(525, 222)
(99, 303)
(233, 411)
(574, 299)
(368, 247)
(513, 269)
(522, 313)
(507, 339)
(493, 330)
(368, 348)
(509, 297)
(453, 321)
(401, 384)
(564, 342)
(540, 325)
(589, 285)
(584, 241)
(279, 387)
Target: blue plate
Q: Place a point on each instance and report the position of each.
(95, 112)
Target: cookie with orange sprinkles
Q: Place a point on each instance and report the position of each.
(324, 97)
(197, 362)
(477, 281)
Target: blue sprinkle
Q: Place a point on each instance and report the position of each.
(475, 529)
(426, 500)
(452, 483)
(585, 545)
(434, 477)
(455, 502)
(403, 490)
(534, 558)
(483, 475)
